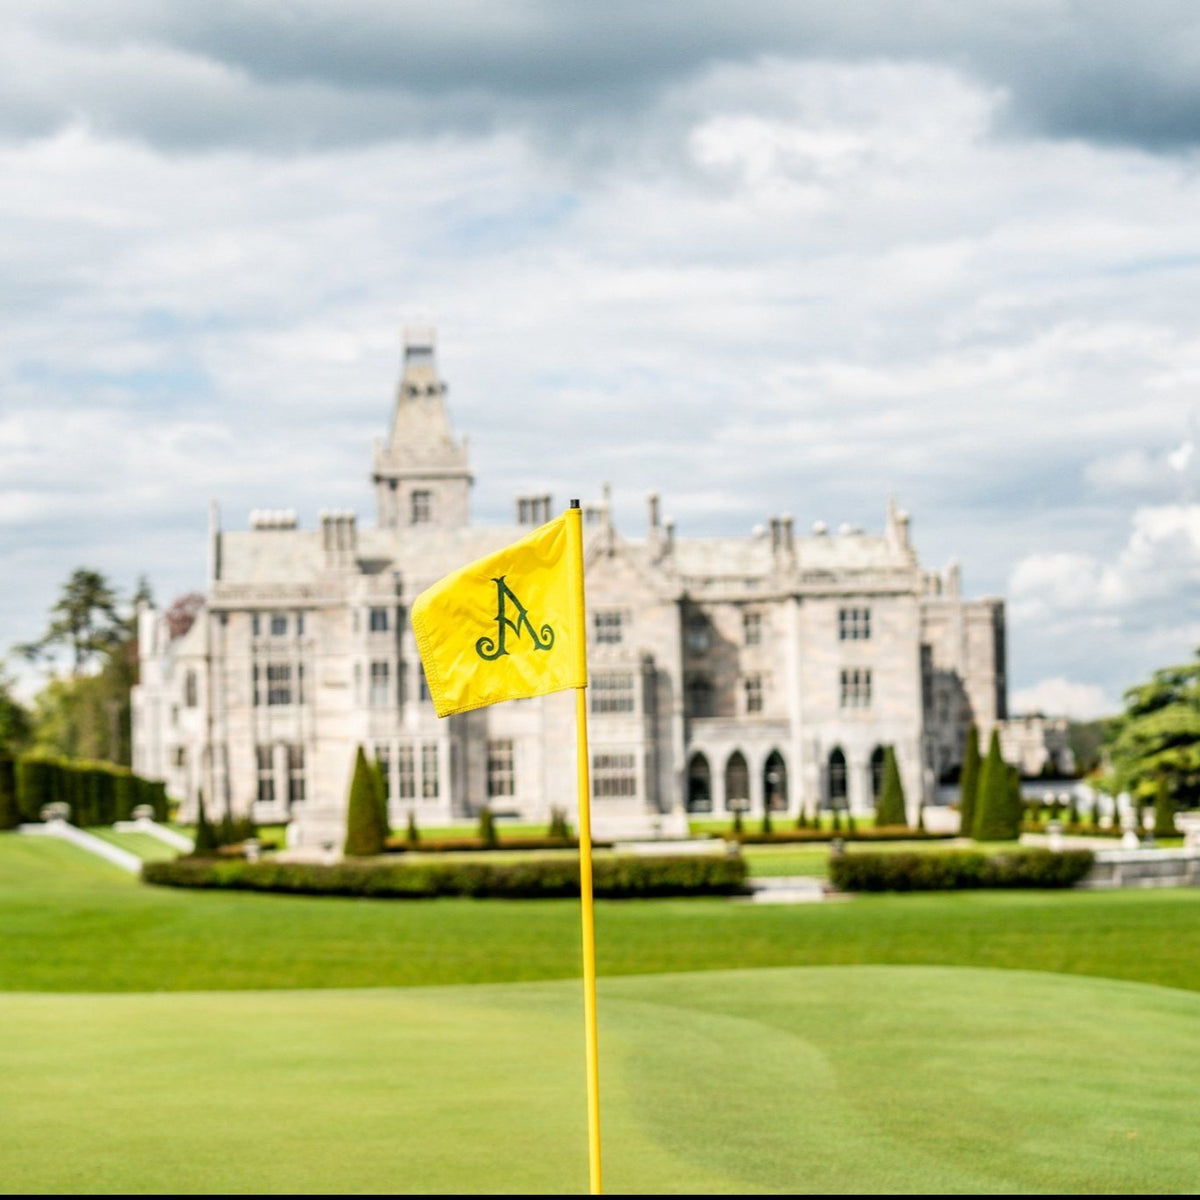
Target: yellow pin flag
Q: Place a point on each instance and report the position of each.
(507, 626)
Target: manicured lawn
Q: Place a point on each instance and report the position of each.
(843, 1080)
(233, 1042)
(147, 848)
(72, 923)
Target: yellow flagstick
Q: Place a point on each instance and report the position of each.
(591, 1040)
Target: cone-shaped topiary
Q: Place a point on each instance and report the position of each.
(412, 836)
(487, 828)
(766, 817)
(1016, 802)
(206, 836)
(969, 783)
(994, 817)
(364, 831)
(737, 821)
(890, 808)
(1164, 811)
(381, 797)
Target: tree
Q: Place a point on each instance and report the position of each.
(182, 613)
(994, 810)
(381, 798)
(487, 828)
(10, 816)
(890, 809)
(1158, 737)
(969, 783)
(84, 618)
(364, 834)
(1164, 810)
(87, 714)
(1016, 802)
(206, 836)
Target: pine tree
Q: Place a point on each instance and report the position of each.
(206, 836)
(1164, 810)
(364, 835)
(994, 816)
(969, 783)
(890, 808)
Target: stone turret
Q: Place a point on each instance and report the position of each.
(421, 474)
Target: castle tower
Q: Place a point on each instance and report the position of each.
(421, 475)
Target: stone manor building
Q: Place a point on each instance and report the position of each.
(725, 672)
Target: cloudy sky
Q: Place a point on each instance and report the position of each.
(760, 257)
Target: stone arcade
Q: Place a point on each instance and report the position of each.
(726, 672)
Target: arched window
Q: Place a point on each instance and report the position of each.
(737, 783)
(699, 785)
(876, 772)
(837, 779)
(700, 696)
(775, 782)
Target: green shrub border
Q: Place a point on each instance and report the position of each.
(957, 869)
(622, 877)
(888, 833)
(98, 793)
(399, 843)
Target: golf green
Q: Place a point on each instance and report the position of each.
(837, 1078)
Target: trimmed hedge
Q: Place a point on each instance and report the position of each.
(10, 817)
(98, 793)
(455, 845)
(887, 833)
(621, 878)
(959, 869)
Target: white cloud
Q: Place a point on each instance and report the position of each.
(803, 286)
(1060, 697)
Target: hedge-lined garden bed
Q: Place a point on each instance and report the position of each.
(614, 878)
(399, 842)
(888, 833)
(866, 872)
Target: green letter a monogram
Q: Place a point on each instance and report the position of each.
(492, 648)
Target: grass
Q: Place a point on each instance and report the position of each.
(795, 1080)
(271, 1044)
(147, 848)
(72, 923)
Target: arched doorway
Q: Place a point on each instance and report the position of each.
(876, 773)
(737, 783)
(699, 785)
(775, 782)
(837, 779)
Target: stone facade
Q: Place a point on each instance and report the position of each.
(730, 672)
